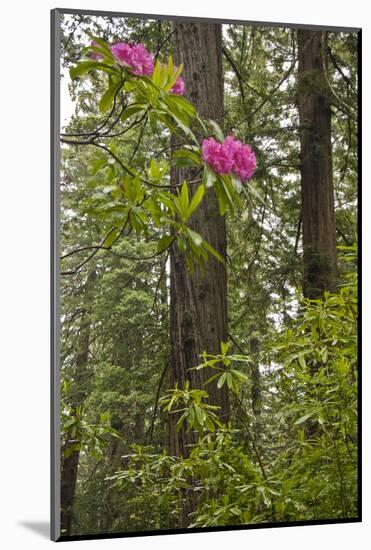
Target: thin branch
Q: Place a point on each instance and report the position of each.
(241, 80)
(298, 231)
(157, 398)
(276, 88)
(339, 102)
(73, 272)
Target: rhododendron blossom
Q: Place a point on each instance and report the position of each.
(179, 87)
(141, 60)
(136, 57)
(230, 156)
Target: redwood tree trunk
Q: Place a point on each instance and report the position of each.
(198, 300)
(319, 237)
(70, 464)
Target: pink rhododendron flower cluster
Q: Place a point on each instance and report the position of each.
(95, 55)
(230, 156)
(179, 87)
(136, 57)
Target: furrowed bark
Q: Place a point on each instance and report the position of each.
(70, 464)
(319, 233)
(198, 300)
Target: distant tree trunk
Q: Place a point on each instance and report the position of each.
(319, 237)
(198, 301)
(70, 464)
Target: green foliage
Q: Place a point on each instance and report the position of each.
(297, 359)
(310, 464)
(138, 201)
(224, 364)
(197, 414)
(79, 434)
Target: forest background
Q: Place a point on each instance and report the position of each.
(306, 382)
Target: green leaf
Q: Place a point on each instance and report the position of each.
(100, 42)
(199, 413)
(86, 66)
(131, 110)
(184, 199)
(182, 157)
(224, 346)
(157, 74)
(164, 243)
(209, 177)
(196, 199)
(212, 251)
(240, 375)
(109, 95)
(236, 182)
(303, 419)
(182, 245)
(217, 130)
(195, 237)
(301, 360)
(222, 380)
(97, 165)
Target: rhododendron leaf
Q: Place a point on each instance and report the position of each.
(100, 43)
(217, 130)
(240, 375)
(182, 161)
(222, 201)
(222, 380)
(185, 128)
(173, 78)
(184, 199)
(212, 251)
(228, 190)
(97, 165)
(85, 66)
(155, 210)
(236, 183)
(224, 346)
(158, 73)
(196, 199)
(185, 105)
(154, 170)
(164, 243)
(111, 237)
(209, 177)
(192, 157)
(167, 199)
(109, 95)
(303, 419)
(131, 110)
(174, 110)
(182, 245)
(195, 237)
(199, 414)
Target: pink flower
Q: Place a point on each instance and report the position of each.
(95, 55)
(211, 152)
(136, 57)
(141, 60)
(244, 162)
(229, 156)
(122, 52)
(179, 87)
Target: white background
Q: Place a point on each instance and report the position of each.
(24, 272)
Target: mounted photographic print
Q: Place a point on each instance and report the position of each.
(205, 188)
